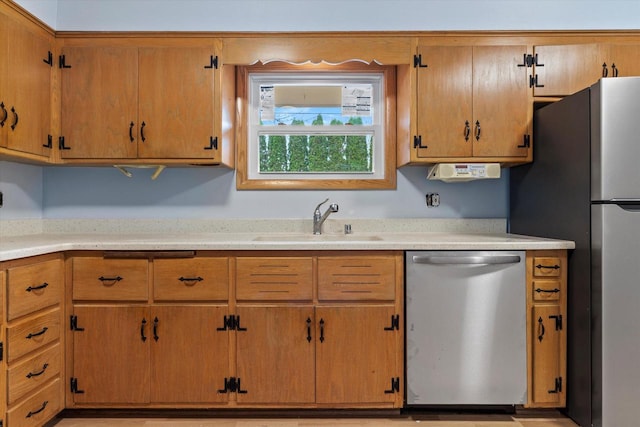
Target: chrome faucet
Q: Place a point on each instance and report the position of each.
(319, 218)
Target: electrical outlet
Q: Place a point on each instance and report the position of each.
(433, 200)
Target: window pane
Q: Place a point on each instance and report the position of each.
(316, 153)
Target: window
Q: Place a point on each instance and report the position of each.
(310, 126)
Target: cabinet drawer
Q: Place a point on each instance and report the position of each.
(274, 278)
(32, 373)
(354, 278)
(546, 267)
(32, 334)
(38, 409)
(33, 287)
(546, 290)
(191, 279)
(110, 279)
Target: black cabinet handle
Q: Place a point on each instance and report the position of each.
(44, 405)
(5, 114)
(548, 291)
(321, 330)
(37, 374)
(142, 325)
(614, 70)
(467, 130)
(551, 267)
(190, 280)
(540, 329)
(37, 288)
(308, 329)
(131, 138)
(109, 281)
(478, 130)
(155, 329)
(605, 70)
(15, 119)
(37, 334)
(142, 132)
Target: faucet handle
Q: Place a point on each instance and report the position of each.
(320, 204)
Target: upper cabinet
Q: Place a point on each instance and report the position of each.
(471, 104)
(561, 70)
(26, 60)
(128, 101)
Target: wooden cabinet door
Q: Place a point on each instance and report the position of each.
(566, 69)
(27, 92)
(624, 59)
(100, 102)
(4, 69)
(189, 356)
(275, 354)
(176, 103)
(444, 106)
(500, 108)
(547, 336)
(355, 355)
(111, 354)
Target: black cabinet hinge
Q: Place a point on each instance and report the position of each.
(61, 145)
(231, 323)
(49, 143)
(74, 386)
(558, 386)
(526, 141)
(395, 323)
(213, 143)
(232, 385)
(529, 60)
(417, 142)
(417, 62)
(73, 324)
(62, 62)
(214, 62)
(533, 81)
(558, 319)
(395, 386)
(49, 60)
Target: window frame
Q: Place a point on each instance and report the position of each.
(386, 178)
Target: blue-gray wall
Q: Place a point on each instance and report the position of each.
(70, 192)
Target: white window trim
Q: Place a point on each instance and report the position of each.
(378, 130)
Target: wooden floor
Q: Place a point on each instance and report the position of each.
(430, 420)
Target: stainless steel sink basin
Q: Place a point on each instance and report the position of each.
(275, 237)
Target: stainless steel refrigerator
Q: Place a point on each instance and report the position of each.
(584, 185)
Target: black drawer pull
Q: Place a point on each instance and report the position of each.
(44, 405)
(549, 291)
(191, 280)
(37, 288)
(37, 334)
(553, 267)
(37, 374)
(109, 281)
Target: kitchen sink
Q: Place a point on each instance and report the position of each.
(275, 237)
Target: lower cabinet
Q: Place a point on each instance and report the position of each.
(248, 330)
(356, 355)
(276, 355)
(547, 338)
(142, 354)
(31, 349)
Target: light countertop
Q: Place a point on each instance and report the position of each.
(387, 237)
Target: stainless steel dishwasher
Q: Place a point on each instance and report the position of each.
(466, 328)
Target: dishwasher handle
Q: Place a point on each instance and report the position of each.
(466, 259)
